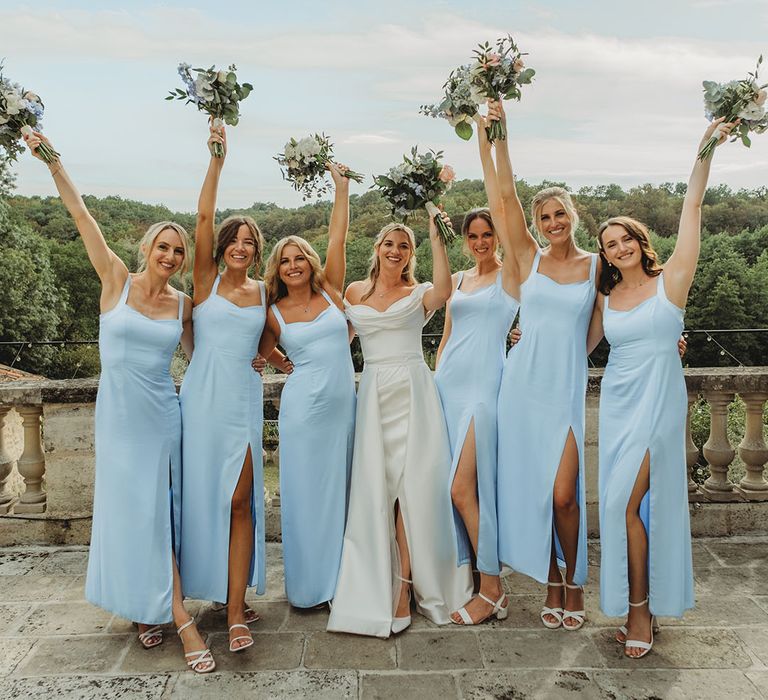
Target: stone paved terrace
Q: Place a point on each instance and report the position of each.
(54, 644)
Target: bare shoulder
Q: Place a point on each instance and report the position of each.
(187, 306)
(355, 291)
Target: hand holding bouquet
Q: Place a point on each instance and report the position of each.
(21, 114)
(419, 181)
(460, 102)
(305, 162)
(738, 99)
(498, 73)
(215, 92)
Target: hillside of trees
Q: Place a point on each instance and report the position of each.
(48, 291)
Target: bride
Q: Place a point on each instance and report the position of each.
(399, 530)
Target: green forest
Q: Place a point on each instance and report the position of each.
(48, 291)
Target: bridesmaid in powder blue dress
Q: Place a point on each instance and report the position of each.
(131, 565)
(317, 406)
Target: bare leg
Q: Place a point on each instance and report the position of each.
(404, 604)
(190, 636)
(240, 550)
(566, 507)
(465, 498)
(639, 618)
(555, 594)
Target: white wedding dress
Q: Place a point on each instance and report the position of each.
(401, 454)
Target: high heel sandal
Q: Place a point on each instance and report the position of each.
(637, 643)
(242, 636)
(578, 615)
(557, 613)
(622, 629)
(196, 658)
(401, 623)
(499, 611)
(146, 636)
(251, 615)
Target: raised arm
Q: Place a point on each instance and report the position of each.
(109, 267)
(336, 257)
(204, 271)
(442, 286)
(681, 266)
(447, 327)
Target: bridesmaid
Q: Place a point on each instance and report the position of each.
(131, 567)
(541, 496)
(470, 360)
(646, 567)
(222, 533)
(399, 525)
(317, 406)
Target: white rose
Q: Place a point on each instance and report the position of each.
(751, 111)
(221, 76)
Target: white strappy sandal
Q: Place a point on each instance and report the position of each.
(146, 637)
(401, 623)
(195, 659)
(557, 613)
(578, 615)
(242, 636)
(499, 611)
(637, 643)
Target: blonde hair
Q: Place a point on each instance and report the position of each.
(148, 240)
(375, 267)
(561, 195)
(276, 288)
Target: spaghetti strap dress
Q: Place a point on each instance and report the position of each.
(541, 399)
(468, 379)
(402, 455)
(317, 429)
(223, 415)
(643, 405)
(138, 460)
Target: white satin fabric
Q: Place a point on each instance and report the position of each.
(401, 454)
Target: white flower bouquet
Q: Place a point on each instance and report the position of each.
(497, 73)
(418, 182)
(460, 102)
(737, 99)
(215, 92)
(21, 112)
(304, 164)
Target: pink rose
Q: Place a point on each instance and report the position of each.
(518, 65)
(491, 59)
(760, 99)
(447, 174)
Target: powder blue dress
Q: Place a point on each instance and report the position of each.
(643, 405)
(468, 380)
(542, 398)
(317, 431)
(222, 412)
(138, 459)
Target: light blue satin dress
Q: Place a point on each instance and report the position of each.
(542, 398)
(643, 405)
(222, 412)
(468, 380)
(138, 459)
(317, 431)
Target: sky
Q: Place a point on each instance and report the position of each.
(617, 95)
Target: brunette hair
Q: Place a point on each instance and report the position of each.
(375, 267)
(610, 276)
(483, 213)
(276, 288)
(561, 195)
(228, 232)
(148, 240)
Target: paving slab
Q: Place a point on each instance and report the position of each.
(67, 561)
(739, 553)
(643, 684)
(717, 611)
(519, 685)
(318, 685)
(64, 618)
(539, 649)
(438, 651)
(731, 581)
(332, 650)
(759, 680)
(270, 651)
(422, 686)
(301, 620)
(146, 687)
(11, 616)
(19, 562)
(12, 651)
(166, 658)
(34, 588)
(272, 616)
(56, 655)
(756, 640)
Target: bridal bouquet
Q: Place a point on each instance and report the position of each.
(21, 112)
(459, 104)
(737, 99)
(215, 92)
(497, 73)
(419, 181)
(304, 164)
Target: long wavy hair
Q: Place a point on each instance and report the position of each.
(610, 275)
(483, 213)
(561, 195)
(148, 240)
(276, 288)
(375, 267)
(228, 232)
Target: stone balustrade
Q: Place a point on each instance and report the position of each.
(47, 456)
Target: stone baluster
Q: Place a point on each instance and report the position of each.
(31, 464)
(6, 467)
(753, 450)
(717, 450)
(691, 451)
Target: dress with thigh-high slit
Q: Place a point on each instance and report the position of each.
(222, 416)
(138, 458)
(468, 379)
(542, 401)
(317, 427)
(401, 455)
(643, 405)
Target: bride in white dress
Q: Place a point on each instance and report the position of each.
(400, 530)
